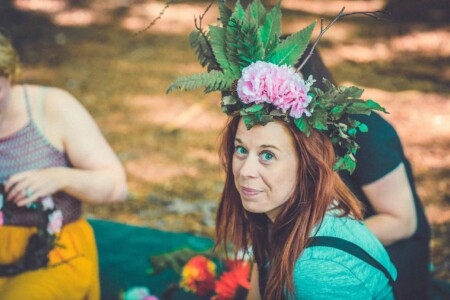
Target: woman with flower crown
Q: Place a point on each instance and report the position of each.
(52, 158)
(283, 201)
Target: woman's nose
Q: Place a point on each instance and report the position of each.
(249, 167)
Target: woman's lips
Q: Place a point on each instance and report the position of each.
(249, 192)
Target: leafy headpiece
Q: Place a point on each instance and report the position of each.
(249, 62)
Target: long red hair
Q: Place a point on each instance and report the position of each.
(318, 188)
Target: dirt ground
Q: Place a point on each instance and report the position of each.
(168, 143)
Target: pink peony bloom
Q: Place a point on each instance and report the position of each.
(278, 85)
(55, 222)
(1, 218)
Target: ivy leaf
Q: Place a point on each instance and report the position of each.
(303, 126)
(352, 132)
(291, 49)
(352, 92)
(363, 127)
(254, 108)
(375, 106)
(345, 163)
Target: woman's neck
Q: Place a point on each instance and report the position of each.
(10, 108)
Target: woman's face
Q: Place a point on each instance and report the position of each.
(265, 167)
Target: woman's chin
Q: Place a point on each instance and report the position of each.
(253, 207)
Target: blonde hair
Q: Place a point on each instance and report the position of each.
(9, 59)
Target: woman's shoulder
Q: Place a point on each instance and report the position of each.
(327, 264)
(53, 97)
(354, 231)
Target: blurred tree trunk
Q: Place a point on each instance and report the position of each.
(424, 10)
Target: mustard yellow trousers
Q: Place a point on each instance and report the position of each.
(76, 279)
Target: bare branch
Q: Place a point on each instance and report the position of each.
(199, 26)
(168, 3)
(376, 15)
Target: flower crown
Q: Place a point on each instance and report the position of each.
(252, 66)
(40, 244)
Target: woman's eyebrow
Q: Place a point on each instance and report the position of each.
(270, 146)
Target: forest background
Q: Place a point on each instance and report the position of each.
(168, 143)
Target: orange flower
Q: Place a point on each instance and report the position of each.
(198, 276)
(230, 281)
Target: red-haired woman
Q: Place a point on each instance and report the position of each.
(283, 202)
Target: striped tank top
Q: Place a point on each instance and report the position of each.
(28, 149)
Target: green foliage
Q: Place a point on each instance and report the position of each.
(270, 31)
(230, 49)
(204, 54)
(173, 260)
(225, 12)
(217, 36)
(248, 44)
(291, 49)
(246, 36)
(257, 12)
(212, 81)
(256, 115)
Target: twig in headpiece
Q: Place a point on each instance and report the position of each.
(199, 26)
(375, 14)
(168, 3)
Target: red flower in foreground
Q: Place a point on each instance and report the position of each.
(229, 282)
(198, 276)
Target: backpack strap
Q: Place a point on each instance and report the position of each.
(355, 250)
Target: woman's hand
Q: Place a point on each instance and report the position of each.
(27, 187)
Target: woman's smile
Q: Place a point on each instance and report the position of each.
(249, 193)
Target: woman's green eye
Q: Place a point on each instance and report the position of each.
(240, 150)
(266, 156)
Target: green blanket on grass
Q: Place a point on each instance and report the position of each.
(124, 253)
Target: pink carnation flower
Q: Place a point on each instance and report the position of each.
(278, 85)
(1, 218)
(55, 222)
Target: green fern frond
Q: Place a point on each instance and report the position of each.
(222, 81)
(271, 29)
(292, 48)
(217, 37)
(212, 81)
(248, 44)
(225, 12)
(203, 52)
(258, 11)
(238, 12)
(231, 33)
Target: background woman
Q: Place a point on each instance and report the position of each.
(52, 157)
